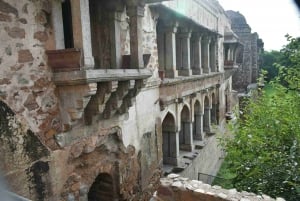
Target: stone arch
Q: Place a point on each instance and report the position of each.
(185, 133)
(170, 135)
(206, 117)
(103, 188)
(197, 127)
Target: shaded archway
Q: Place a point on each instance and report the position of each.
(170, 140)
(198, 128)
(185, 134)
(102, 189)
(206, 118)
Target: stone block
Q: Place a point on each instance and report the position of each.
(24, 56)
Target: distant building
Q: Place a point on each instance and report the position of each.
(250, 58)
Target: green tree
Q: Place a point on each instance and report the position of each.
(264, 154)
(269, 59)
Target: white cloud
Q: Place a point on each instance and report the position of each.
(270, 19)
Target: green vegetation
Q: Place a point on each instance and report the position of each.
(264, 155)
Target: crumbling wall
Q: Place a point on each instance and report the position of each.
(25, 78)
(24, 159)
(176, 188)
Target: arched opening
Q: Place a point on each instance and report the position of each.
(197, 128)
(102, 189)
(170, 147)
(185, 134)
(214, 109)
(206, 118)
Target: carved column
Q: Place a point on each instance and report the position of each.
(115, 19)
(82, 30)
(205, 55)
(135, 11)
(213, 55)
(197, 63)
(187, 130)
(171, 148)
(207, 119)
(170, 59)
(198, 127)
(161, 47)
(185, 52)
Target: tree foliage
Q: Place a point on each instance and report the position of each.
(264, 154)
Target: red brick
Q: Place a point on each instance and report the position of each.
(24, 56)
(15, 32)
(41, 36)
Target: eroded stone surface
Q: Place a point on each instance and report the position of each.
(178, 188)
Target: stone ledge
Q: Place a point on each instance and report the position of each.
(175, 188)
(99, 75)
(103, 92)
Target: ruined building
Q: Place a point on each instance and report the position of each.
(249, 57)
(100, 98)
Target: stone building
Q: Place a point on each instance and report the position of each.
(99, 98)
(250, 57)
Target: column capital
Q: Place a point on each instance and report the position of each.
(171, 27)
(185, 34)
(197, 36)
(135, 10)
(206, 39)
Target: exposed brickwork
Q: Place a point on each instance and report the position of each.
(41, 36)
(5, 17)
(7, 8)
(15, 32)
(24, 56)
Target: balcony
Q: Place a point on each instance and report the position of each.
(85, 92)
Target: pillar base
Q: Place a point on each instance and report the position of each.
(185, 72)
(171, 161)
(171, 73)
(197, 71)
(186, 147)
(198, 137)
(206, 71)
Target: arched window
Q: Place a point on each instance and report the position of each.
(170, 150)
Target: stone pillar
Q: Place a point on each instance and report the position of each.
(136, 14)
(213, 55)
(82, 30)
(187, 130)
(161, 48)
(205, 54)
(170, 59)
(207, 119)
(115, 47)
(171, 149)
(197, 63)
(214, 113)
(185, 52)
(198, 127)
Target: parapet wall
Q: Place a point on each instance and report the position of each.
(176, 188)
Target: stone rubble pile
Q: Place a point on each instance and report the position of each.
(176, 188)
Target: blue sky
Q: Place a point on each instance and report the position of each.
(271, 19)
